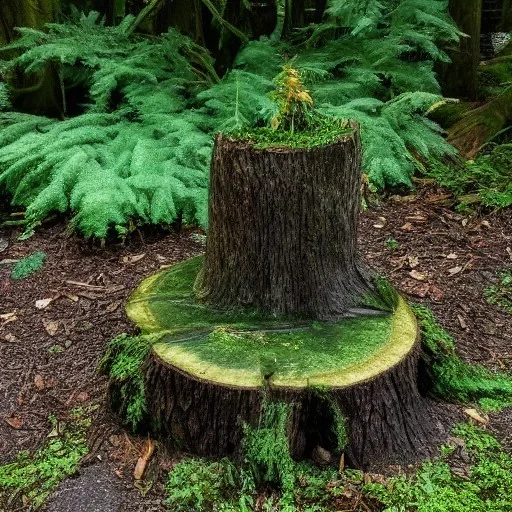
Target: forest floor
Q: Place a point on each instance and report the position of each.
(54, 326)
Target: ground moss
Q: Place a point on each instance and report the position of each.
(452, 378)
(27, 482)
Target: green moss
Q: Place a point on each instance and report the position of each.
(501, 293)
(241, 347)
(455, 380)
(323, 131)
(28, 265)
(26, 482)
(435, 487)
(122, 362)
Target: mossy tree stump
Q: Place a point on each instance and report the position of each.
(282, 309)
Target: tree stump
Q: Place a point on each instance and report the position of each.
(282, 309)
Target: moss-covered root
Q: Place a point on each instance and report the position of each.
(478, 126)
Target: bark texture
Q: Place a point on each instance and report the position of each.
(282, 229)
(388, 420)
(478, 126)
(460, 77)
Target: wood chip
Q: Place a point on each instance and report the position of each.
(452, 256)
(462, 322)
(407, 227)
(43, 303)
(381, 223)
(454, 271)
(10, 338)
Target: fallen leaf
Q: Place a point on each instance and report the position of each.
(452, 256)
(134, 258)
(39, 382)
(454, 271)
(51, 326)
(413, 261)
(83, 396)
(43, 303)
(14, 422)
(485, 224)
(407, 227)
(436, 293)
(475, 415)
(465, 222)
(140, 467)
(10, 338)
(419, 276)
(4, 243)
(462, 322)
(381, 223)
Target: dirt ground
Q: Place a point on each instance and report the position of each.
(63, 316)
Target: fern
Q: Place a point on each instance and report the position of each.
(140, 151)
(4, 97)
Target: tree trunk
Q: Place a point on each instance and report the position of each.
(506, 20)
(282, 230)
(460, 77)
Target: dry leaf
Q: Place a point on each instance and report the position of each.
(14, 422)
(475, 415)
(452, 256)
(419, 276)
(413, 261)
(51, 326)
(43, 303)
(462, 322)
(381, 223)
(485, 224)
(4, 243)
(436, 293)
(454, 271)
(407, 227)
(39, 382)
(465, 222)
(509, 252)
(140, 467)
(10, 338)
(134, 258)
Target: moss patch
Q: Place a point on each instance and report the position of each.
(244, 348)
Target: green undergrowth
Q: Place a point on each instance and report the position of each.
(26, 482)
(501, 294)
(122, 363)
(486, 180)
(485, 486)
(28, 265)
(266, 467)
(452, 378)
(144, 126)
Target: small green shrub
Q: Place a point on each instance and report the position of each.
(485, 180)
(434, 487)
(501, 294)
(28, 265)
(200, 485)
(30, 479)
(454, 379)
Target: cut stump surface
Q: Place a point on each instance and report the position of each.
(210, 371)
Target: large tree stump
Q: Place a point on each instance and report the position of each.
(282, 309)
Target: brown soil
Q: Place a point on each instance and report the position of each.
(38, 379)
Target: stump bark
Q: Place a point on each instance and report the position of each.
(283, 229)
(282, 308)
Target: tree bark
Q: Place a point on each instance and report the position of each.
(387, 419)
(282, 229)
(460, 77)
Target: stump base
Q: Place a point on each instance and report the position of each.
(211, 370)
